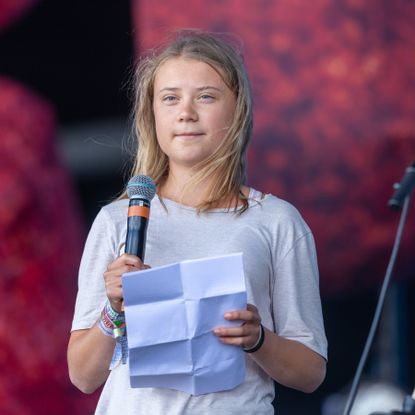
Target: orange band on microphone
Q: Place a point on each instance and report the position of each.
(139, 211)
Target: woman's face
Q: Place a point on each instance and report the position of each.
(193, 109)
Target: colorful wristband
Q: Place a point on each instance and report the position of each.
(111, 322)
(259, 342)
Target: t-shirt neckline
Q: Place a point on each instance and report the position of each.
(254, 197)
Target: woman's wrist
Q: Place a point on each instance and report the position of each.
(112, 322)
(259, 342)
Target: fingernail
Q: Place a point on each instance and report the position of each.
(227, 315)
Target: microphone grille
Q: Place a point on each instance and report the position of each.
(141, 186)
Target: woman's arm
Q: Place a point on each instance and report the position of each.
(90, 351)
(288, 362)
(89, 357)
(291, 363)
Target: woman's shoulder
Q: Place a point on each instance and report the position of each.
(275, 210)
(271, 203)
(118, 205)
(115, 212)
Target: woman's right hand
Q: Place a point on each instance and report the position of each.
(112, 276)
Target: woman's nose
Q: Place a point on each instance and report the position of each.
(187, 111)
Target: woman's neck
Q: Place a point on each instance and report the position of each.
(178, 187)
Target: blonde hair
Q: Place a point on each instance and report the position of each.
(228, 163)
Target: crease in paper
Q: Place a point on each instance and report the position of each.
(170, 314)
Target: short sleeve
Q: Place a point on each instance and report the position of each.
(100, 250)
(296, 298)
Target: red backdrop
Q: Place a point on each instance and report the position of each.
(334, 92)
(334, 87)
(41, 237)
(11, 10)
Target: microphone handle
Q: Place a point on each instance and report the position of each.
(138, 213)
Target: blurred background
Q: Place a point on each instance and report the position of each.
(334, 91)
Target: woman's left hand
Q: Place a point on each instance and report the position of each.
(247, 334)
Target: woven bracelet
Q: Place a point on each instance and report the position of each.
(259, 342)
(111, 322)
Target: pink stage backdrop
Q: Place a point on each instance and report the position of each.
(11, 10)
(40, 244)
(334, 88)
(41, 236)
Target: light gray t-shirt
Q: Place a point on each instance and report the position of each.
(281, 279)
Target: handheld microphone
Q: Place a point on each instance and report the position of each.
(141, 190)
(403, 188)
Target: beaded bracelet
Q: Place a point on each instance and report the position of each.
(111, 322)
(259, 342)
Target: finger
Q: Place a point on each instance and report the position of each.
(113, 283)
(240, 331)
(136, 267)
(126, 260)
(244, 315)
(235, 341)
(116, 273)
(241, 336)
(133, 261)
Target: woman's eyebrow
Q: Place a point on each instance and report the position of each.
(201, 88)
(168, 89)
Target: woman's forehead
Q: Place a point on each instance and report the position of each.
(176, 71)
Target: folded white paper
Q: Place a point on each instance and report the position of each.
(170, 314)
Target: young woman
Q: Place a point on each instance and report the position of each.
(193, 120)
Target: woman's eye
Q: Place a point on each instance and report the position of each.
(206, 97)
(169, 98)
